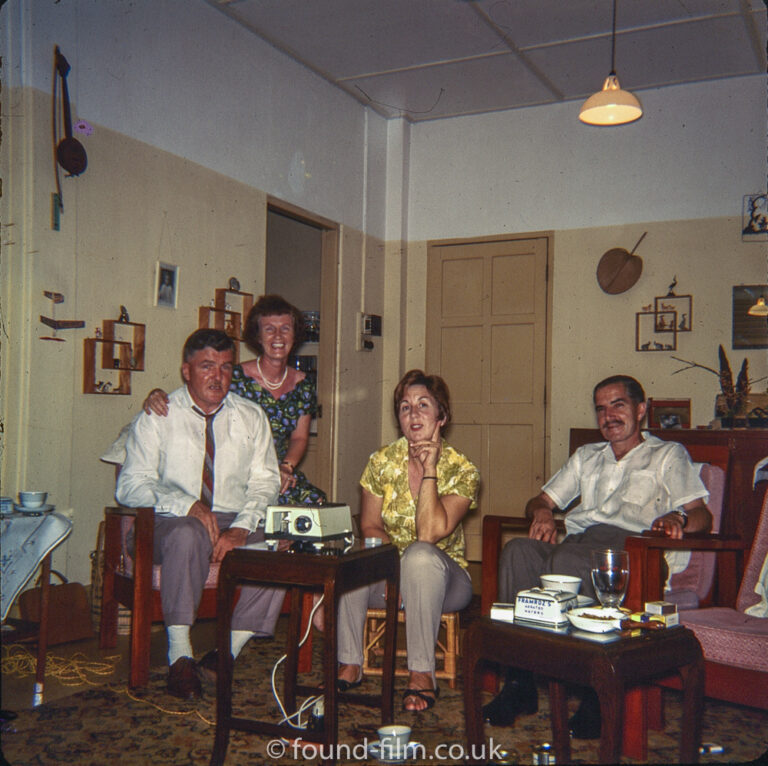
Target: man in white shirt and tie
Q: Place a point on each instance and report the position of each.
(209, 469)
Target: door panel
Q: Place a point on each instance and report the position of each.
(487, 336)
(462, 293)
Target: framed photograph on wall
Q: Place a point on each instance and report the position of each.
(669, 413)
(166, 285)
(749, 331)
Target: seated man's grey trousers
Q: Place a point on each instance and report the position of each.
(524, 560)
(431, 583)
(183, 548)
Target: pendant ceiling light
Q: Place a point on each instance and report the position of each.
(611, 105)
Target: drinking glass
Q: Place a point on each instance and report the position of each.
(610, 575)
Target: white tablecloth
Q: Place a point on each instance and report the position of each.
(24, 542)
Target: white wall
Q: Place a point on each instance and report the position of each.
(180, 76)
(694, 154)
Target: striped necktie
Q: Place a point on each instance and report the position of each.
(206, 487)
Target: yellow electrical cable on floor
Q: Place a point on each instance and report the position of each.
(195, 711)
(72, 671)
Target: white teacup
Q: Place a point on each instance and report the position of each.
(568, 583)
(394, 739)
(31, 499)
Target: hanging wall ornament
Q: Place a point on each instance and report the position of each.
(619, 270)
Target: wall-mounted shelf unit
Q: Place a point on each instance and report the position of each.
(222, 299)
(228, 313)
(121, 375)
(122, 352)
(118, 332)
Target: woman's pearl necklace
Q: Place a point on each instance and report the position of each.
(268, 383)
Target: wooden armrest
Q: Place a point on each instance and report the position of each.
(492, 537)
(646, 571)
(143, 537)
(698, 541)
(492, 526)
(120, 510)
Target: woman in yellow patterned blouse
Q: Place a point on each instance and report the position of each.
(416, 491)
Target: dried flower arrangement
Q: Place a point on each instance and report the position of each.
(734, 396)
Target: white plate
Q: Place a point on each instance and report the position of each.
(411, 750)
(595, 619)
(46, 508)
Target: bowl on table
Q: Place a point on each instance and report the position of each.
(567, 583)
(32, 499)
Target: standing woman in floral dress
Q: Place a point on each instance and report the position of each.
(273, 329)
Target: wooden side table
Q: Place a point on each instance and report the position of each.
(28, 541)
(17, 631)
(609, 668)
(335, 575)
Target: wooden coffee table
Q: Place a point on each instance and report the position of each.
(333, 575)
(609, 668)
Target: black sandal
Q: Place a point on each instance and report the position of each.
(423, 694)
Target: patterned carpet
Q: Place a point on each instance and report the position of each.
(104, 725)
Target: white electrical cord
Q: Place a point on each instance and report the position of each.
(310, 701)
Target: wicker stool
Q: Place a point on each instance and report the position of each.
(447, 651)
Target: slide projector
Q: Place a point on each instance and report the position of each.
(315, 523)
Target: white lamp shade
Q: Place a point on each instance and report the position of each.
(759, 309)
(611, 105)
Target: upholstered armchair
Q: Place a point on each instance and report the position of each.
(734, 631)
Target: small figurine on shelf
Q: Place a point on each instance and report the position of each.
(234, 285)
(124, 315)
(673, 285)
(97, 332)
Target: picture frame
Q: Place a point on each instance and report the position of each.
(166, 292)
(669, 413)
(748, 331)
(649, 336)
(682, 304)
(754, 218)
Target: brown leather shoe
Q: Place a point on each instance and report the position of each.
(208, 666)
(183, 681)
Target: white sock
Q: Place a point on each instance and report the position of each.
(239, 640)
(179, 644)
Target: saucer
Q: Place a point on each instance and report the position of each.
(39, 511)
(411, 750)
(596, 619)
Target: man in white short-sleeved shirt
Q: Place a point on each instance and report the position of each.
(631, 482)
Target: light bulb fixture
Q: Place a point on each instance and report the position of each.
(759, 309)
(611, 105)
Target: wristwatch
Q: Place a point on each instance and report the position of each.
(683, 515)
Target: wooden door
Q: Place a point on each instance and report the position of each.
(487, 337)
